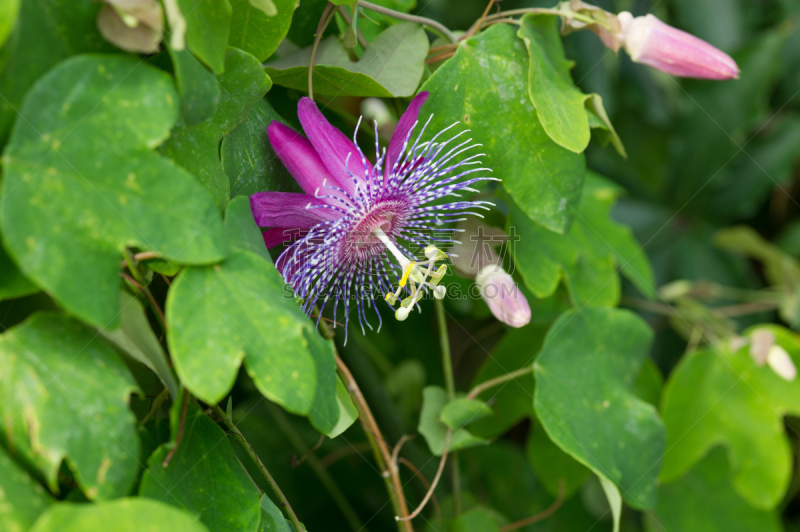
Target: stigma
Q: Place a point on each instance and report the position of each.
(417, 278)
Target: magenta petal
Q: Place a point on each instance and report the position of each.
(299, 157)
(281, 235)
(405, 124)
(290, 209)
(332, 145)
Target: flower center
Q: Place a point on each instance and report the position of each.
(415, 275)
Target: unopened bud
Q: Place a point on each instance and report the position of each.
(652, 42)
(503, 296)
(781, 363)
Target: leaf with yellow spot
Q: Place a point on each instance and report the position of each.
(240, 310)
(64, 396)
(87, 170)
(584, 398)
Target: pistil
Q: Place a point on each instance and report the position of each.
(416, 275)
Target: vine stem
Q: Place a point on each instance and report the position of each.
(450, 386)
(325, 19)
(562, 488)
(253, 456)
(322, 474)
(383, 457)
(429, 494)
(432, 24)
(491, 383)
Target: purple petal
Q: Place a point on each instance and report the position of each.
(332, 145)
(290, 209)
(299, 157)
(281, 235)
(404, 125)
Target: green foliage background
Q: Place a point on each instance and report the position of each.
(141, 316)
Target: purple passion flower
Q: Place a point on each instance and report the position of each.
(354, 226)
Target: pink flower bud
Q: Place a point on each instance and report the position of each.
(503, 296)
(781, 363)
(651, 42)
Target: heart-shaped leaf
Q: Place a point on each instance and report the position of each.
(704, 500)
(207, 30)
(584, 375)
(46, 33)
(240, 310)
(122, 515)
(196, 148)
(434, 399)
(483, 86)
(23, 498)
(558, 102)
(204, 455)
(392, 65)
(257, 32)
(64, 395)
(111, 195)
(587, 257)
(720, 396)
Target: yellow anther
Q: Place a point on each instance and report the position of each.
(391, 298)
(438, 275)
(407, 273)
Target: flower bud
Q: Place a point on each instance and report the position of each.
(503, 296)
(651, 42)
(781, 363)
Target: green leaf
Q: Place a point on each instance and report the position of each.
(9, 9)
(392, 66)
(47, 32)
(648, 384)
(511, 401)
(196, 148)
(257, 32)
(267, 7)
(719, 396)
(558, 102)
(199, 88)
(347, 410)
(12, 283)
(460, 412)
(111, 195)
(22, 499)
(207, 25)
(552, 465)
(64, 395)
(135, 338)
(272, 519)
(204, 478)
(483, 86)
(478, 520)
(249, 160)
(614, 500)
(241, 229)
(598, 118)
(240, 309)
(583, 398)
(704, 500)
(434, 431)
(587, 257)
(122, 515)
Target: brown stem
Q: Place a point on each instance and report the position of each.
(478, 22)
(482, 387)
(340, 452)
(296, 462)
(380, 448)
(324, 20)
(181, 424)
(162, 319)
(429, 494)
(440, 57)
(562, 488)
(425, 483)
